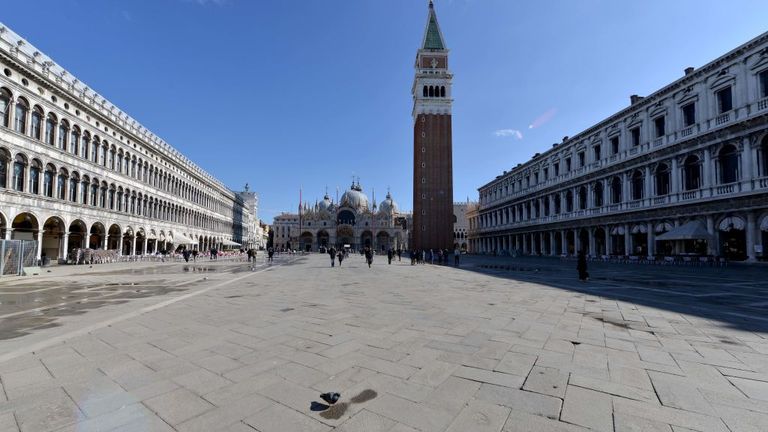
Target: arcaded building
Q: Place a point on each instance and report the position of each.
(77, 172)
(683, 171)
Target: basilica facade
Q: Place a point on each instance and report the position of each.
(76, 172)
(353, 223)
(679, 173)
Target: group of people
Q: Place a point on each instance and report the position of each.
(189, 253)
(334, 254)
(441, 256)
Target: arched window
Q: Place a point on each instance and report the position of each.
(597, 194)
(20, 116)
(569, 201)
(86, 146)
(63, 135)
(103, 151)
(74, 141)
(691, 173)
(61, 184)
(37, 123)
(119, 166)
(442, 91)
(74, 181)
(111, 162)
(5, 159)
(94, 193)
(50, 128)
(5, 107)
(637, 185)
(111, 198)
(48, 180)
(728, 164)
(616, 190)
(426, 91)
(84, 188)
(19, 166)
(582, 198)
(35, 168)
(103, 195)
(662, 180)
(95, 146)
(431, 91)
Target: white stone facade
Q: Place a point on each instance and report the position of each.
(76, 172)
(693, 153)
(351, 222)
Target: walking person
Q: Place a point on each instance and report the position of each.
(341, 257)
(581, 266)
(270, 254)
(332, 253)
(368, 256)
(399, 253)
(456, 256)
(390, 254)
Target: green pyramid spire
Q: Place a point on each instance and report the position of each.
(433, 39)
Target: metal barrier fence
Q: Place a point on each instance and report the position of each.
(15, 255)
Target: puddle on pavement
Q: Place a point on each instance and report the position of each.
(80, 300)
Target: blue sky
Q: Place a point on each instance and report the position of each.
(282, 94)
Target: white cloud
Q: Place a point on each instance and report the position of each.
(509, 133)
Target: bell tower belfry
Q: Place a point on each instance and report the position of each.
(432, 142)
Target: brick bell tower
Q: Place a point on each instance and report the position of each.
(432, 143)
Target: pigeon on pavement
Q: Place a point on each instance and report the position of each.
(330, 397)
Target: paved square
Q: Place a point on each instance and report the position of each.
(499, 344)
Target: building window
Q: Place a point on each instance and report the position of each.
(48, 177)
(5, 104)
(34, 177)
(728, 164)
(597, 197)
(662, 180)
(615, 145)
(724, 100)
(73, 182)
(582, 198)
(764, 157)
(582, 159)
(616, 190)
(556, 167)
(61, 183)
(50, 127)
(568, 164)
(535, 178)
(569, 201)
(659, 126)
(689, 114)
(546, 174)
(763, 78)
(637, 185)
(596, 150)
(635, 134)
(18, 173)
(4, 161)
(691, 173)
(21, 116)
(557, 204)
(37, 122)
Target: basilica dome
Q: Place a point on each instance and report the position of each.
(388, 205)
(354, 198)
(325, 205)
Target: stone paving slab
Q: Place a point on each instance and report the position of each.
(411, 348)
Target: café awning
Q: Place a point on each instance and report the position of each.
(693, 230)
(181, 239)
(230, 243)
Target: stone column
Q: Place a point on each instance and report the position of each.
(542, 244)
(751, 235)
(608, 248)
(712, 243)
(677, 243)
(145, 245)
(65, 246)
(39, 245)
(576, 242)
(106, 239)
(552, 250)
(156, 244)
(651, 240)
(747, 168)
(8, 233)
(592, 245)
(706, 170)
(563, 243)
(120, 245)
(648, 192)
(133, 245)
(674, 178)
(627, 241)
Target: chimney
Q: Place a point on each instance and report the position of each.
(689, 70)
(635, 99)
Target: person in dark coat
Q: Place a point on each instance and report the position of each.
(332, 253)
(581, 266)
(340, 256)
(368, 256)
(390, 254)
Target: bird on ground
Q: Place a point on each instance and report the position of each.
(331, 397)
